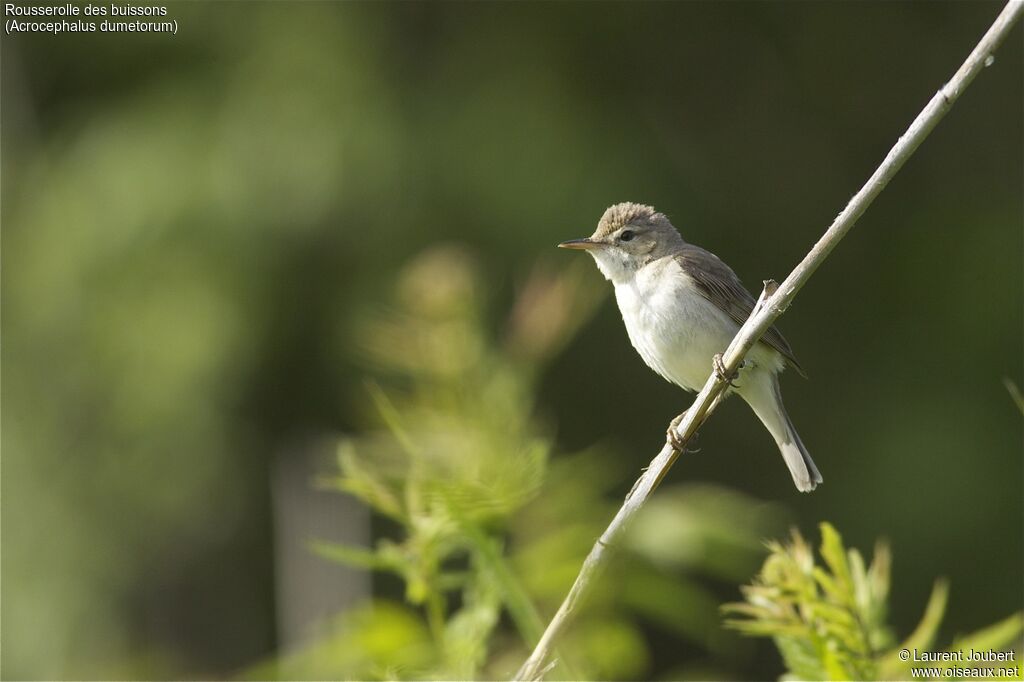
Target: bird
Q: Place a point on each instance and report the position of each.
(681, 306)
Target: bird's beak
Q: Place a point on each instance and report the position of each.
(582, 244)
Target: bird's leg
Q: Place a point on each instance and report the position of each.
(720, 372)
(673, 435)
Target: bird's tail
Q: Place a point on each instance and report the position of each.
(764, 397)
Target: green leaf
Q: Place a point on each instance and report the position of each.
(392, 418)
(612, 648)
(468, 630)
(364, 484)
(1001, 636)
(1015, 394)
(353, 556)
(802, 657)
(381, 640)
(924, 634)
(834, 554)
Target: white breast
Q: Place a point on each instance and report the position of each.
(672, 326)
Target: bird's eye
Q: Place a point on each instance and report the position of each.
(626, 235)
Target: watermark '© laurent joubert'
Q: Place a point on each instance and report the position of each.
(958, 655)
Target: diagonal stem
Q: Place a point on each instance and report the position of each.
(773, 305)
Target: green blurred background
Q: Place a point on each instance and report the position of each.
(193, 223)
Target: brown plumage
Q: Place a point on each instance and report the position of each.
(720, 285)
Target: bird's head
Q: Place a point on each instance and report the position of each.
(628, 237)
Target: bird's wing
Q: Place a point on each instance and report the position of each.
(719, 284)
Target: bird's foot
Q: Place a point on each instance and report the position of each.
(678, 444)
(720, 372)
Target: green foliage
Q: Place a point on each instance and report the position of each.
(829, 621)
(187, 218)
(487, 523)
(458, 456)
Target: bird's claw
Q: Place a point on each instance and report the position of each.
(672, 435)
(719, 364)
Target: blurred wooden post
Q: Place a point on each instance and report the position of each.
(311, 590)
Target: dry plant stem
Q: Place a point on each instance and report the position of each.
(772, 305)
